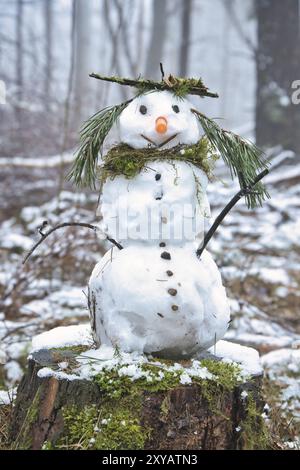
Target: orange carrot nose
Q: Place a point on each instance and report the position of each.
(161, 125)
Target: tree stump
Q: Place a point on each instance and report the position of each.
(111, 412)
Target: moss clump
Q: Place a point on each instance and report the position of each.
(126, 161)
(227, 375)
(181, 87)
(48, 446)
(254, 432)
(155, 380)
(114, 426)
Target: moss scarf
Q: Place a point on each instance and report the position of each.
(126, 161)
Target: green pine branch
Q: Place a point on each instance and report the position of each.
(244, 159)
(92, 136)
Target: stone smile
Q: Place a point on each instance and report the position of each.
(162, 143)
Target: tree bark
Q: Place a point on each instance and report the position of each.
(187, 6)
(179, 418)
(82, 85)
(158, 34)
(278, 65)
(48, 16)
(19, 58)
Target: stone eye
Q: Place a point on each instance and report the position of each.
(143, 109)
(175, 108)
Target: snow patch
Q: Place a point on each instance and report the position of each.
(247, 358)
(7, 396)
(63, 336)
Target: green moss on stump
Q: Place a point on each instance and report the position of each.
(118, 420)
(254, 432)
(116, 423)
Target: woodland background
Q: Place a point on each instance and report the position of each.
(247, 51)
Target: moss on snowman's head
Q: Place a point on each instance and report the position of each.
(161, 117)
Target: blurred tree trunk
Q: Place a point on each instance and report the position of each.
(140, 36)
(48, 16)
(158, 34)
(228, 6)
(83, 31)
(19, 58)
(187, 7)
(278, 65)
(114, 28)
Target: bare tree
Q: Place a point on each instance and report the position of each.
(278, 65)
(226, 39)
(158, 35)
(19, 54)
(140, 35)
(48, 17)
(114, 28)
(83, 17)
(187, 8)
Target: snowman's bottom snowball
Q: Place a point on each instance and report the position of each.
(142, 302)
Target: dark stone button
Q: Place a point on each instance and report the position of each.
(174, 308)
(172, 291)
(169, 273)
(162, 244)
(165, 255)
(157, 176)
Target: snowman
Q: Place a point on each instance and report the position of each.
(155, 295)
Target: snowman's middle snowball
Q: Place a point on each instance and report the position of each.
(138, 306)
(167, 201)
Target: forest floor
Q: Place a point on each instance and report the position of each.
(258, 253)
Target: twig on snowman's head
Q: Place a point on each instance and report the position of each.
(246, 190)
(179, 86)
(67, 224)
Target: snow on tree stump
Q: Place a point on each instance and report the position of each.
(64, 403)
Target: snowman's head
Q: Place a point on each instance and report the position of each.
(158, 119)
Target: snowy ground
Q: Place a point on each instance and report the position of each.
(258, 252)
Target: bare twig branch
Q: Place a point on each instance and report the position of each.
(231, 11)
(199, 90)
(245, 190)
(68, 224)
